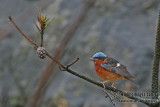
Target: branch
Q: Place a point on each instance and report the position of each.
(145, 101)
(155, 68)
(48, 70)
(10, 18)
(66, 68)
(72, 62)
(26, 14)
(43, 81)
(45, 75)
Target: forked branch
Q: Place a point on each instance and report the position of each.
(66, 68)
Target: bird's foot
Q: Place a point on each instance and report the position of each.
(113, 85)
(103, 83)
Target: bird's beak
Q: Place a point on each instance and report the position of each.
(91, 59)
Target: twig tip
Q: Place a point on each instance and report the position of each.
(9, 16)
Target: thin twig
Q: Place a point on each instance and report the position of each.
(73, 62)
(36, 38)
(37, 27)
(42, 38)
(48, 70)
(50, 56)
(60, 65)
(25, 15)
(10, 18)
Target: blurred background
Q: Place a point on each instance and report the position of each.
(123, 29)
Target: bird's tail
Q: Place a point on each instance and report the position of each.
(132, 79)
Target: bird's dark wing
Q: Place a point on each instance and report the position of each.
(114, 66)
(111, 62)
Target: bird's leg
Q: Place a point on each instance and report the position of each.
(113, 84)
(103, 83)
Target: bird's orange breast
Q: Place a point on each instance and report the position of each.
(105, 74)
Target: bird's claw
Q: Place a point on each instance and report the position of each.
(113, 85)
(103, 83)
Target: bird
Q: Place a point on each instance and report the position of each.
(109, 69)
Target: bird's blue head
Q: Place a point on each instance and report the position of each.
(99, 55)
